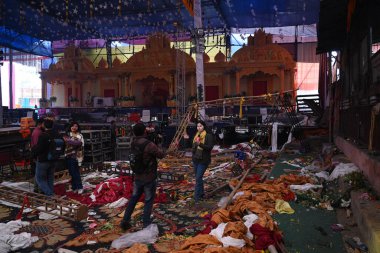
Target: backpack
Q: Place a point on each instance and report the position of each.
(56, 149)
(136, 159)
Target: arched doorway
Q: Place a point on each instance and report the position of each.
(261, 83)
(151, 92)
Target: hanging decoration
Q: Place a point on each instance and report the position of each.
(91, 8)
(241, 107)
(119, 8)
(67, 10)
(22, 16)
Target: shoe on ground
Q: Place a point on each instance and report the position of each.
(125, 225)
(80, 191)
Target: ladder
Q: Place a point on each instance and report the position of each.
(288, 108)
(66, 209)
(182, 128)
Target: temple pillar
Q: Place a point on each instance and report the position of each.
(44, 88)
(52, 93)
(122, 86)
(193, 91)
(171, 84)
(292, 75)
(130, 90)
(237, 83)
(127, 87)
(71, 85)
(76, 91)
(172, 90)
(282, 81)
(228, 83)
(80, 95)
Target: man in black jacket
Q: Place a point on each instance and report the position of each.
(145, 182)
(44, 167)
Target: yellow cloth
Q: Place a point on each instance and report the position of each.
(201, 135)
(283, 207)
(241, 107)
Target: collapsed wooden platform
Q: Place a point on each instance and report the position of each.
(59, 207)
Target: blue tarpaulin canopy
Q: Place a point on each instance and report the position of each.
(31, 22)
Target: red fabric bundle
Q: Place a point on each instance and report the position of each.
(253, 178)
(209, 226)
(113, 189)
(264, 237)
(290, 196)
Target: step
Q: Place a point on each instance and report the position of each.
(367, 216)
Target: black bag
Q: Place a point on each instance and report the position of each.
(136, 159)
(56, 149)
(198, 154)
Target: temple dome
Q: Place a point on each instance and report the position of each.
(116, 62)
(220, 57)
(102, 64)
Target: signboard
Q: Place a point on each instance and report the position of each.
(189, 4)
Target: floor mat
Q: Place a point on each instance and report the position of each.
(308, 230)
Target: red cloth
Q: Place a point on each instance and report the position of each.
(264, 237)
(209, 226)
(113, 189)
(290, 196)
(25, 203)
(108, 192)
(60, 189)
(252, 178)
(134, 117)
(161, 196)
(82, 198)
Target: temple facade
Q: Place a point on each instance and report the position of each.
(148, 78)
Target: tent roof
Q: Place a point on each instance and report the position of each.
(54, 20)
(332, 25)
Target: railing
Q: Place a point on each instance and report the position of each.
(355, 123)
(302, 103)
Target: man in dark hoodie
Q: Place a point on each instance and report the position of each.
(44, 167)
(145, 182)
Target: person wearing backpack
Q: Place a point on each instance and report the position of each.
(143, 161)
(202, 145)
(37, 131)
(74, 155)
(44, 164)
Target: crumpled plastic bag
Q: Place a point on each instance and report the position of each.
(238, 194)
(283, 207)
(248, 221)
(118, 203)
(323, 174)
(229, 241)
(343, 169)
(222, 201)
(147, 235)
(10, 241)
(304, 187)
(218, 231)
(226, 240)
